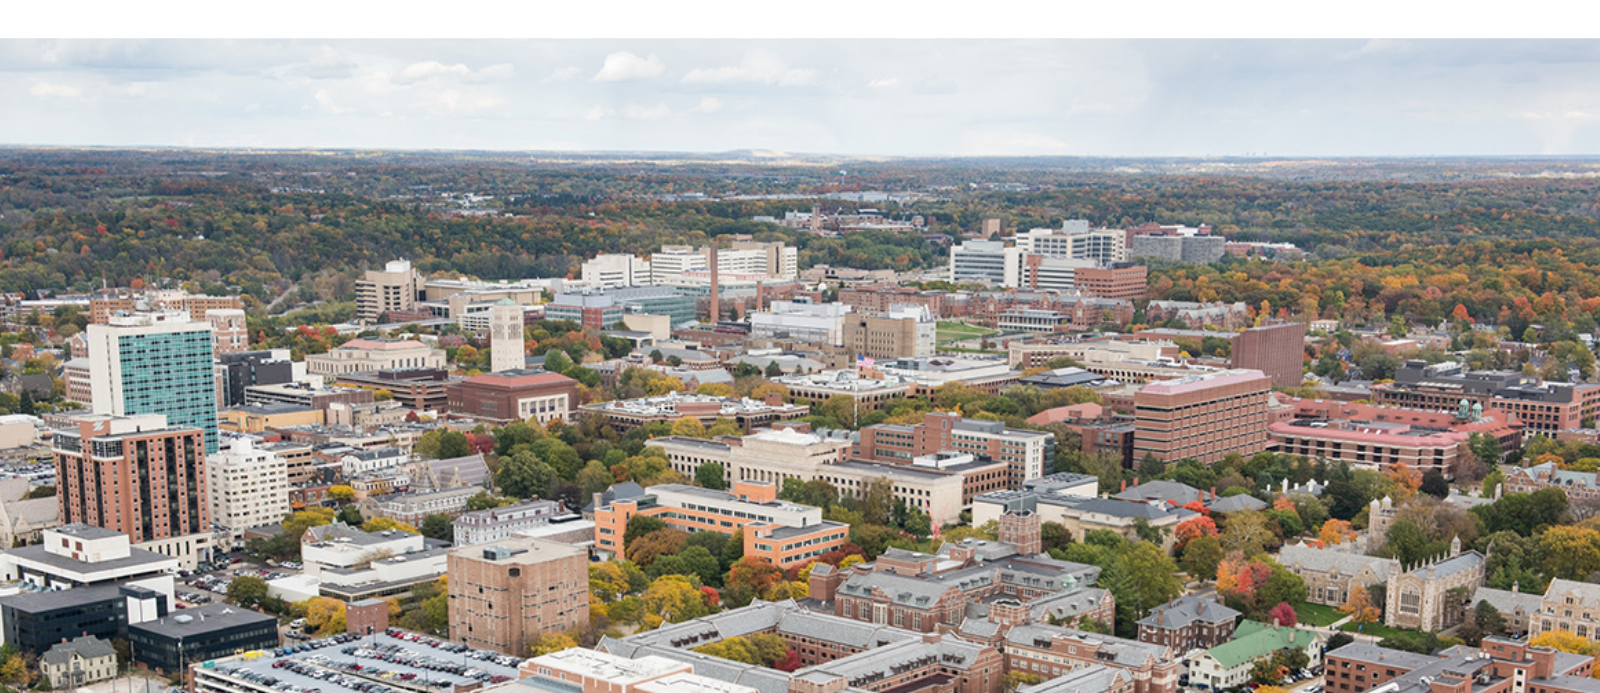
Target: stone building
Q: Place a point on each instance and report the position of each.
(1331, 575)
(1434, 595)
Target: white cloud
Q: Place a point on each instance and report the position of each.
(433, 69)
(884, 82)
(709, 104)
(325, 100)
(631, 111)
(757, 67)
(50, 90)
(637, 112)
(623, 66)
(562, 74)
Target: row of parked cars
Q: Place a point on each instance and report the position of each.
(394, 654)
(213, 584)
(447, 646)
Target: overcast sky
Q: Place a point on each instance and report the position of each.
(891, 97)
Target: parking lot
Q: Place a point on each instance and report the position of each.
(210, 584)
(394, 661)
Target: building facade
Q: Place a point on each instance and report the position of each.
(1205, 416)
(155, 363)
(783, 533)
(495, 524)
(135, 475)
(395, 288)
(1188, 623)
(248, 487)
(1024, 452)
(502, 597)
(1433, 596)
(375, 354)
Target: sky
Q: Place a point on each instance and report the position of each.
(892, 97)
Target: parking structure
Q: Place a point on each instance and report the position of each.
(394, 661)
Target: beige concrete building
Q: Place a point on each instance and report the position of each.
(249, 487)
(393, 288)
(1033, 354)
(774, 456)
(363, 355)
(255, 418)
(502, 597)
(905, 331)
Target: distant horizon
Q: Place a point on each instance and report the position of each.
(899, 98)
(782, 154)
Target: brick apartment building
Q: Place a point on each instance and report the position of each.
(1188, 623)
(421, 389)
(502, 597)
(101, 309)
(1051, 651)
(134, 475)
(1500, 666)
(1203, 416)
(872, 299)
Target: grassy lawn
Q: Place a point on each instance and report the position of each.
(951, 330)
(1316, 614)
(1377, 629)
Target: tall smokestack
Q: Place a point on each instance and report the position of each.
(716, 312)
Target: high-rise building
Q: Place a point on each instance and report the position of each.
(817, 323)
(940, 434)
(240, 370)
(393, 288)
(901, 332)
(503, 596)
(248, 487)
(988, 262)
(1277, 350)
(614, 270)
(1204, 416)
(1075, 240)
(1123, 280)
(156, 363)
(506, 350)
(132, 474)
(228, 332)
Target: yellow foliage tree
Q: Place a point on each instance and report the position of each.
(341, 493)
(553, 642)
(326, 614)
(379, 524)
(689, 427)
(1359, 606)
(761, 391)
(1335, 532)
(1565, 641)
(715, 390)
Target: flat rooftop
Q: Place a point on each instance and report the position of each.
(340, 658)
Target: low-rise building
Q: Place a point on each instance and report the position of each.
(1023, 451)
(1050, 651)
(36, 621)
(750, 414)
(79, 662)
(494, 524)
(413, 508)
(778, 455)
(869, 393)
(1568, 605)
(419, 389)
(1421, 597)
(79, 555)
(168, 645)
(1331, 575)
(1228, 665)
(783, 533)
(1498, 665)
(515, 395)
(1188, 623)
(255, 418)
(375, 354)
(1080, 513)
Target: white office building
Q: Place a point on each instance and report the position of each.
(818, 323)
(610, 270)
(1076, 241)
(986, 262)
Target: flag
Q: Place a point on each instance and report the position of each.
(863, 361)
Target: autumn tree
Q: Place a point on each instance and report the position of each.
(1194, 528)
(1359, 608)
(689, 427)
(1335, 532)
(381, 524)
(1571, 552)
(1202, 556)
(663, 542)
(1283, 615)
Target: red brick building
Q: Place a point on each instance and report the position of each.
(134, 475)
(1023, 451)
(1202, 416)
(1123, 280)
(1277, 350)
(515, 395)
(1188, 623)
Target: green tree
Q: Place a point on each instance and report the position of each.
(711, 475)
(1201, 556)
(1141, 577)
(594, 478)
(438, 527)
(523, 475)
(247, 591)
